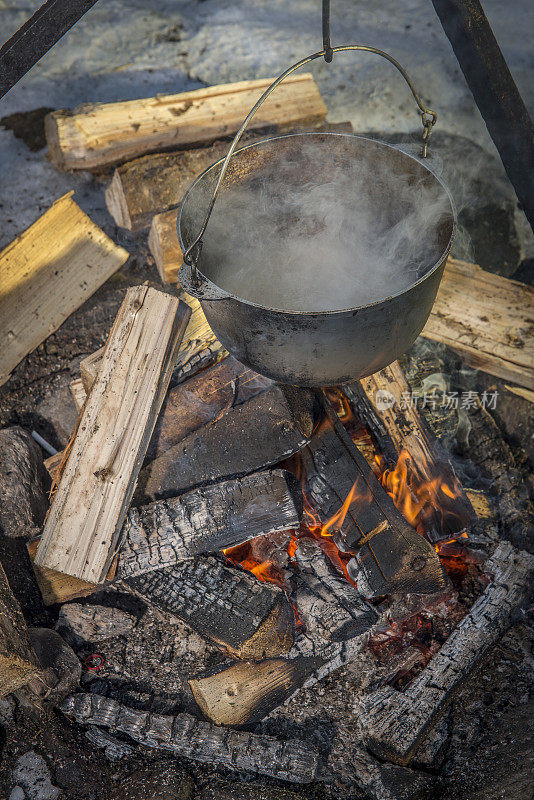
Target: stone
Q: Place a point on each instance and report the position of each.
(62, 669)
(32, 774)
(17, 793)
(81, 624)
(23, 482)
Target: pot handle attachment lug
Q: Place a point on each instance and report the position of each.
(428, 118)
(196, 284)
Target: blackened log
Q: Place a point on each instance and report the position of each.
(18, 662)
(394, 723)
(390, 556)
(23, 481)
(257, 434)
(408, 430)
(247, 617)
(189, 738)
(320, 578)
(207, 520)
(494, 91)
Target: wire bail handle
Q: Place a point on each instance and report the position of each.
(428, 118)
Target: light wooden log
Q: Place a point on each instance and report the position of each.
(164, 245)
(79, 395)
(157, 183)
(98, 479)
(46, 273)
(187, 737)
(408, 431)
(230, 606)
(99, 134)
(487, 319)
(197, 347)
(394, 723)
(18, 662)
(208, 520)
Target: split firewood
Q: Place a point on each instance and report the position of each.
(57, 587)
(157, 183)
(46, 273)
(164, 245)
(109, 444)
(96, 135)
(247, 617)
(208, 520)
(198, 348)
(246, 438)
(394, 723)
(18, 662)
(187, 737)
(390, 555)
(487, 319)
(79, 395)
(386, 396)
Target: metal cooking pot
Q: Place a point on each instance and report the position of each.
(314, 348)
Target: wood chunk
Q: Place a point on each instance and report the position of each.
(98, 479)
(164, 245)
(96, 135)
(187, 737)
(23, 483)
(257, 434)
(58, 588)
(228, 605)
(408, 431)
(18, 662)
(157, 183)
(208, 520)
(79, 395)
(46, 273)
(390, 556)
(487, 319)
(394, 723)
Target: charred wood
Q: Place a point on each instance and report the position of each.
(207, 520)
(247, 617)
(395, 723)
(257, 434)
(188, 737)
(390, 556)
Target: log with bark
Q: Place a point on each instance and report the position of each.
(408, 431)
(23, 484)
(395, 723)
(389, 555)
(188, 737)
(45, 277)
(208, 520)
(109, 444)
(96, 135)
(247, 617)
(18, 662)
(487, 319)
(246, 438)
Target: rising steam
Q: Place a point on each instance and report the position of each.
(317, 229)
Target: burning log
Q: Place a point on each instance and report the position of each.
(45, 278)
(486, 319)
(18, 662)
(335, 620)
(257, 434)
(96, 135)
(98, 479)
(189, 738)
(207, 520)
(247, 617)
(389, 555)
(386, 393)
(395, 723)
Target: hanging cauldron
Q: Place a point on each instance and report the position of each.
(314, 348)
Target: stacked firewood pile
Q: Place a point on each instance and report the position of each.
(270, 520)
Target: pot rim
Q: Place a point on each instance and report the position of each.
(229, 295)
